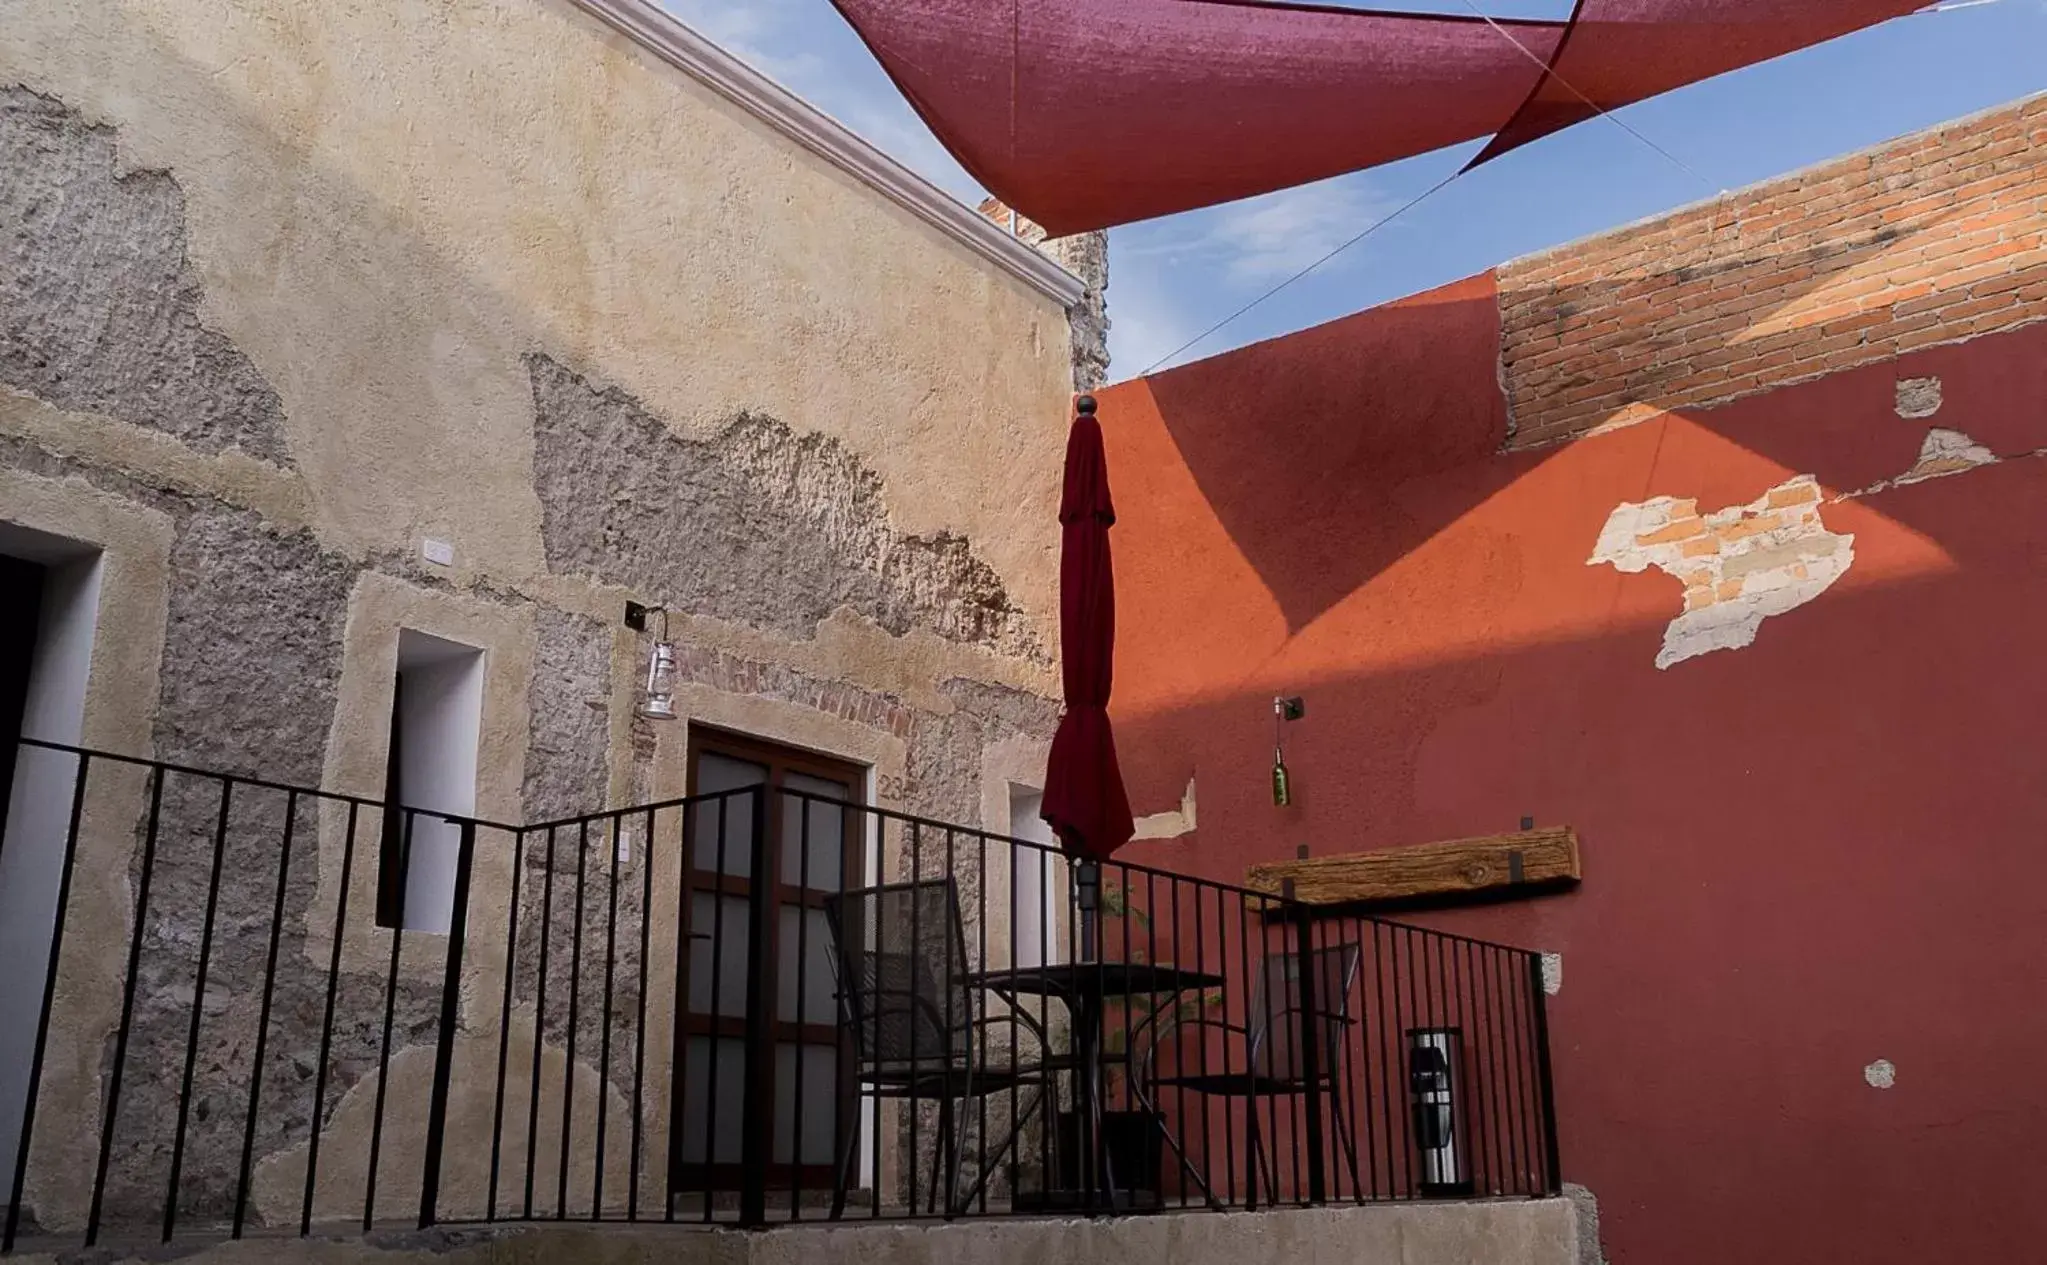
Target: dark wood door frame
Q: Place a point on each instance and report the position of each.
(779, 761)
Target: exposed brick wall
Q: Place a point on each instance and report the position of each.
(1935, 238)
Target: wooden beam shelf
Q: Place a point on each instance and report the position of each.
(1526, 862)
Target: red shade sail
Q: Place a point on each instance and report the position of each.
(1620, 51)
(1082, 114)
(1084, 797)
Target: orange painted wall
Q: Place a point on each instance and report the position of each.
(1823, 849)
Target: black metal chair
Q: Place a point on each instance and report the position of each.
(1274, 1065)
(920, 1032)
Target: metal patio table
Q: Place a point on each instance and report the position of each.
(1086, 987)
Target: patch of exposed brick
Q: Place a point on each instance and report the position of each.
(1739, 565)
(1936, 238)
(730, 674)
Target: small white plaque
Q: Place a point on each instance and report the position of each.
(438, 552)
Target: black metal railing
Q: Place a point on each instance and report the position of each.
(744, 1007)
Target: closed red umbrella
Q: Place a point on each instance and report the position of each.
(1084, 797)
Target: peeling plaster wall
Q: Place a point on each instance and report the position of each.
(1739, 565)
(307, 285)
(99, 306)
(1811, 856)
(756, 525)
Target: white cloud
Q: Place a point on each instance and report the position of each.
(1275, 236)
(1267, 239)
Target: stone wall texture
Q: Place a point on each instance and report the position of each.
(1932, 239)
(304, 287)
(99, 308)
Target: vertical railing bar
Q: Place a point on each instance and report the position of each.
(755, 1143)
(128, 982)
(1131, 1102)
(1524, 1084)
(291, 810)
(327, 1022)
(874, 1142)
(1048, 1126)
(1480, 1114)
(632, 1207)
(1222, 952)
(1459, 1112)
(1016, 1007)
(561, 1206)
(539, 1026)
(1502, 1104)
(1498, 1108)
(227, 786)
(604, 1042)
(716, 1041)
(981, 888)
(802, 1002)
(916, 947)
(1342, 1131)
(390, 1008)
(1253, 1149)
(1200, 1008)
(1274, 1012)
(1369, 1104)
(497, 1110)
(1531, 1089)
(950, 1130)
(1347, 1077)
(1311, 1058)
(1391, 1108)
(451, 1019)
(1414, 1019)
(1552, 1167)
(678, 1075)
(1511, 1112)
(35, 1067)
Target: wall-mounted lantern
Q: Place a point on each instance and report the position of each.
(1283, 711)
(657, 701)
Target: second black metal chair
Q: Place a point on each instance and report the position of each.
(1274, 1065)
(920, 1033)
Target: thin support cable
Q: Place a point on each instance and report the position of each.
(1525, 51)
(1617, 121)
(1370, 229)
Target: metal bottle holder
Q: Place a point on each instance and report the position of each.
(1433, 1057)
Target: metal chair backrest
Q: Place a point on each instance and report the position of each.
(900, 955)
(1276, 1017)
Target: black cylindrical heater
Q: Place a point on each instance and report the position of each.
(1433, 1057)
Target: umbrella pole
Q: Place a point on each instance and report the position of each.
(1087, 885)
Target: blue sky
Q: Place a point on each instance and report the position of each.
(1171, 279)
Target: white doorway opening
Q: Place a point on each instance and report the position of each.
(1037, 878)
(53, 587)
(436, 729)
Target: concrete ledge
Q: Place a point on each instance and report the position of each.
(1518, 1232)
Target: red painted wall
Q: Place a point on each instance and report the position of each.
(1823, 849)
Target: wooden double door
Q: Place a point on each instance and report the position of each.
(814, 849)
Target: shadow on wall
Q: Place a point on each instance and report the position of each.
(1319, 451)
(1302, 445)
(1801, 856)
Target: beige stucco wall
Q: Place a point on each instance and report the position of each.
(425, 193)
(397, 228)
